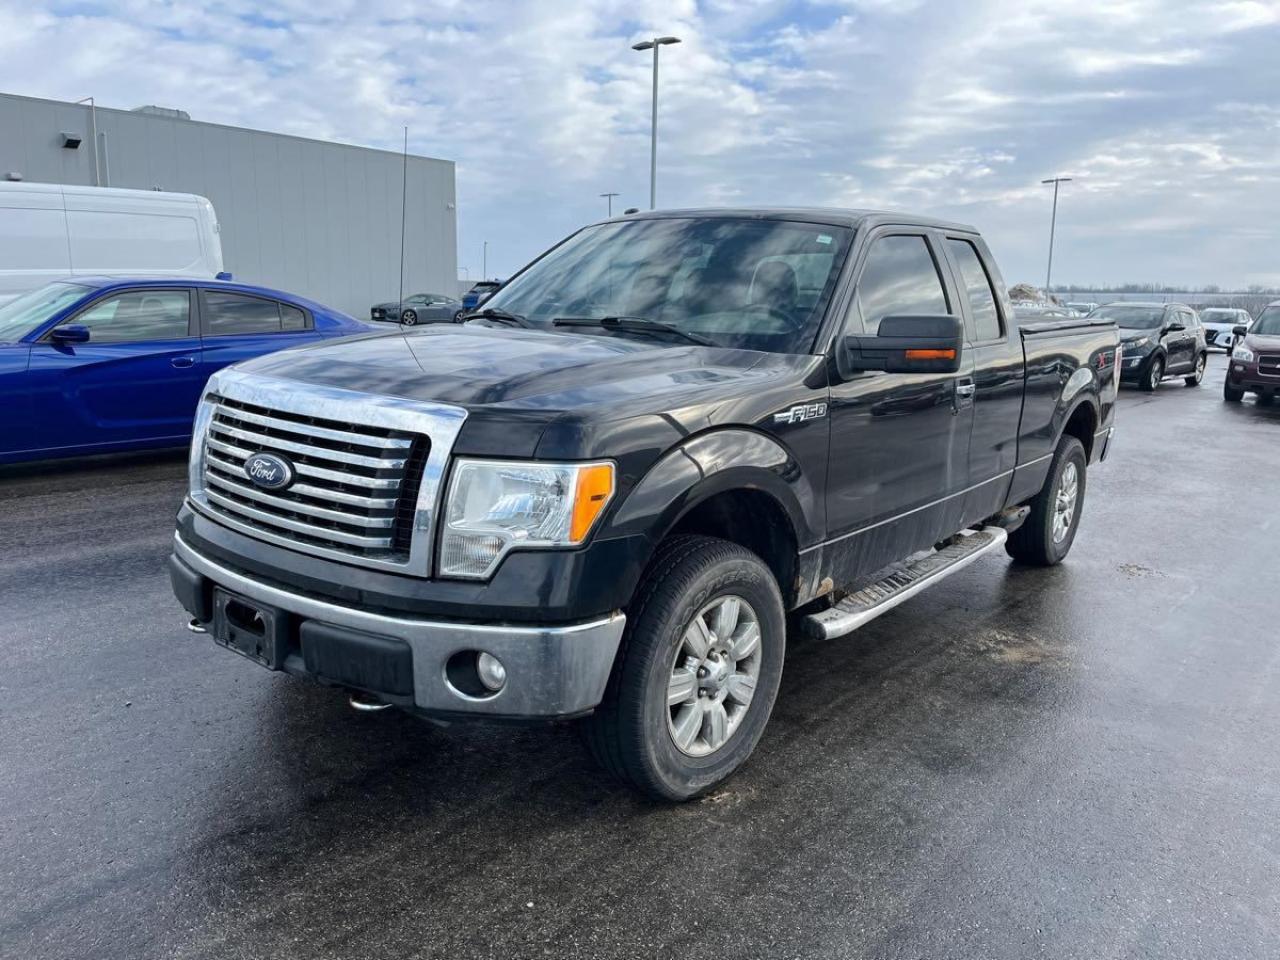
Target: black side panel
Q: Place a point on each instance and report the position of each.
(378, 664)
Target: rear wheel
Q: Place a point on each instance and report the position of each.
(696, 676)
(1231, 394)
(1050, 529)
(1155, 373)
(1198, 374)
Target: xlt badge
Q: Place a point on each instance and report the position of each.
(801, 412)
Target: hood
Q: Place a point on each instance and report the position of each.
(529, 370)
(1262, 343)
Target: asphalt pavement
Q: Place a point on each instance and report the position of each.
(1076, 762)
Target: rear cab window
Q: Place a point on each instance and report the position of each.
(978, 289)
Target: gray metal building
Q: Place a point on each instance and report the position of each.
(307, 216)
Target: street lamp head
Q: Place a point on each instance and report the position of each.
(655, 42)
(1057, 180)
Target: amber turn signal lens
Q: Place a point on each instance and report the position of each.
(931, 354)
(594, 490)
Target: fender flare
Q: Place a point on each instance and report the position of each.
(715, 462)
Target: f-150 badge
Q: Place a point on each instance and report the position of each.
(801, 412)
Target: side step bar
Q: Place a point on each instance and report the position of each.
(904, 581)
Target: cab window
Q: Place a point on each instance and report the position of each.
(978, 289)
(899, 277)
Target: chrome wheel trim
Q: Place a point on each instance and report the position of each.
(1157, 374)
(409, 318)
(713, 676)
(1064, 502)
(1200, 365)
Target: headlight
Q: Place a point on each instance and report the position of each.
(495, 505)
(1137, 344)
(1242, 353)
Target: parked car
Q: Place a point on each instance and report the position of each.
(419, 308)
(602, 499)
(1220, 323)
(48, 231)
(1255, 360)
(1041, 311)
(1160, 340)
(1083, 308)
(104, 364)
(480, 291)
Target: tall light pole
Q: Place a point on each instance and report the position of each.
(484, 262)
(653, 45)
(1053, 223)
(609, 197)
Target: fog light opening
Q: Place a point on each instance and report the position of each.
(475, 674)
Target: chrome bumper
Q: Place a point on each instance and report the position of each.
(551, 670)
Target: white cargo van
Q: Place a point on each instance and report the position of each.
(48, 230)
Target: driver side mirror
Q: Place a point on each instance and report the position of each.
(1240, 330)
(70, 333)
(1175, 327)
(908, 344)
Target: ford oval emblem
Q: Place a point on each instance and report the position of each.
(269, 471)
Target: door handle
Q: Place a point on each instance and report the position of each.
(966, 390)
(183, 362)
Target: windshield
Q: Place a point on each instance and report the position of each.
(752, 284)
(20, 316)
(1131, 317)
(1220, 315)
(1268, 322)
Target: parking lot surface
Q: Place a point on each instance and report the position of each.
(1075, 762)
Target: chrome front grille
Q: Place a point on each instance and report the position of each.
(367, 469)
(1269, 364)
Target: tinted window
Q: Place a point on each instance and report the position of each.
(899, 278)
(291, 318)
(229, 313)
(138, 315)
(1132, 317)
(977, 286)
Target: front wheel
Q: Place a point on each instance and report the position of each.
(1155, 373)
(409, 318)
(1231, 394)
(697, 673)
(1050, 529)
(1198, 374)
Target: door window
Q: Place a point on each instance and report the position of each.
(233, 314)
(138, 315)
(977, 287)
(899, 278)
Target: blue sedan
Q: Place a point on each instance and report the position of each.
(105, 364)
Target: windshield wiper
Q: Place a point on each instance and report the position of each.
(498, 315)
(636, 324)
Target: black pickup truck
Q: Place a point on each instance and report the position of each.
(608, 494)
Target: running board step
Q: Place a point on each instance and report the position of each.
(903, 581)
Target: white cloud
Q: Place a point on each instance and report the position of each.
(1165, 112)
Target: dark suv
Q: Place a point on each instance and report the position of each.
(1160, 340)
(1255, 359)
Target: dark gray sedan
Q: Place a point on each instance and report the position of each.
(419, 308)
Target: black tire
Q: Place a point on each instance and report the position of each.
(629, 732)
(1231, 394)
(1033, 542)
(1197, 374)
(1152, 376)
(457, 317)
(409, 318)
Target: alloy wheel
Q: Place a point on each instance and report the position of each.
(1064, 504)
(713, 676)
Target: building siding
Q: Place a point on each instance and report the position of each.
(311, 217)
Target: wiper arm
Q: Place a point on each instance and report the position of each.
(499, 315)
(637, 324)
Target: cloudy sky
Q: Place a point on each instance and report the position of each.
(1167, 114)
